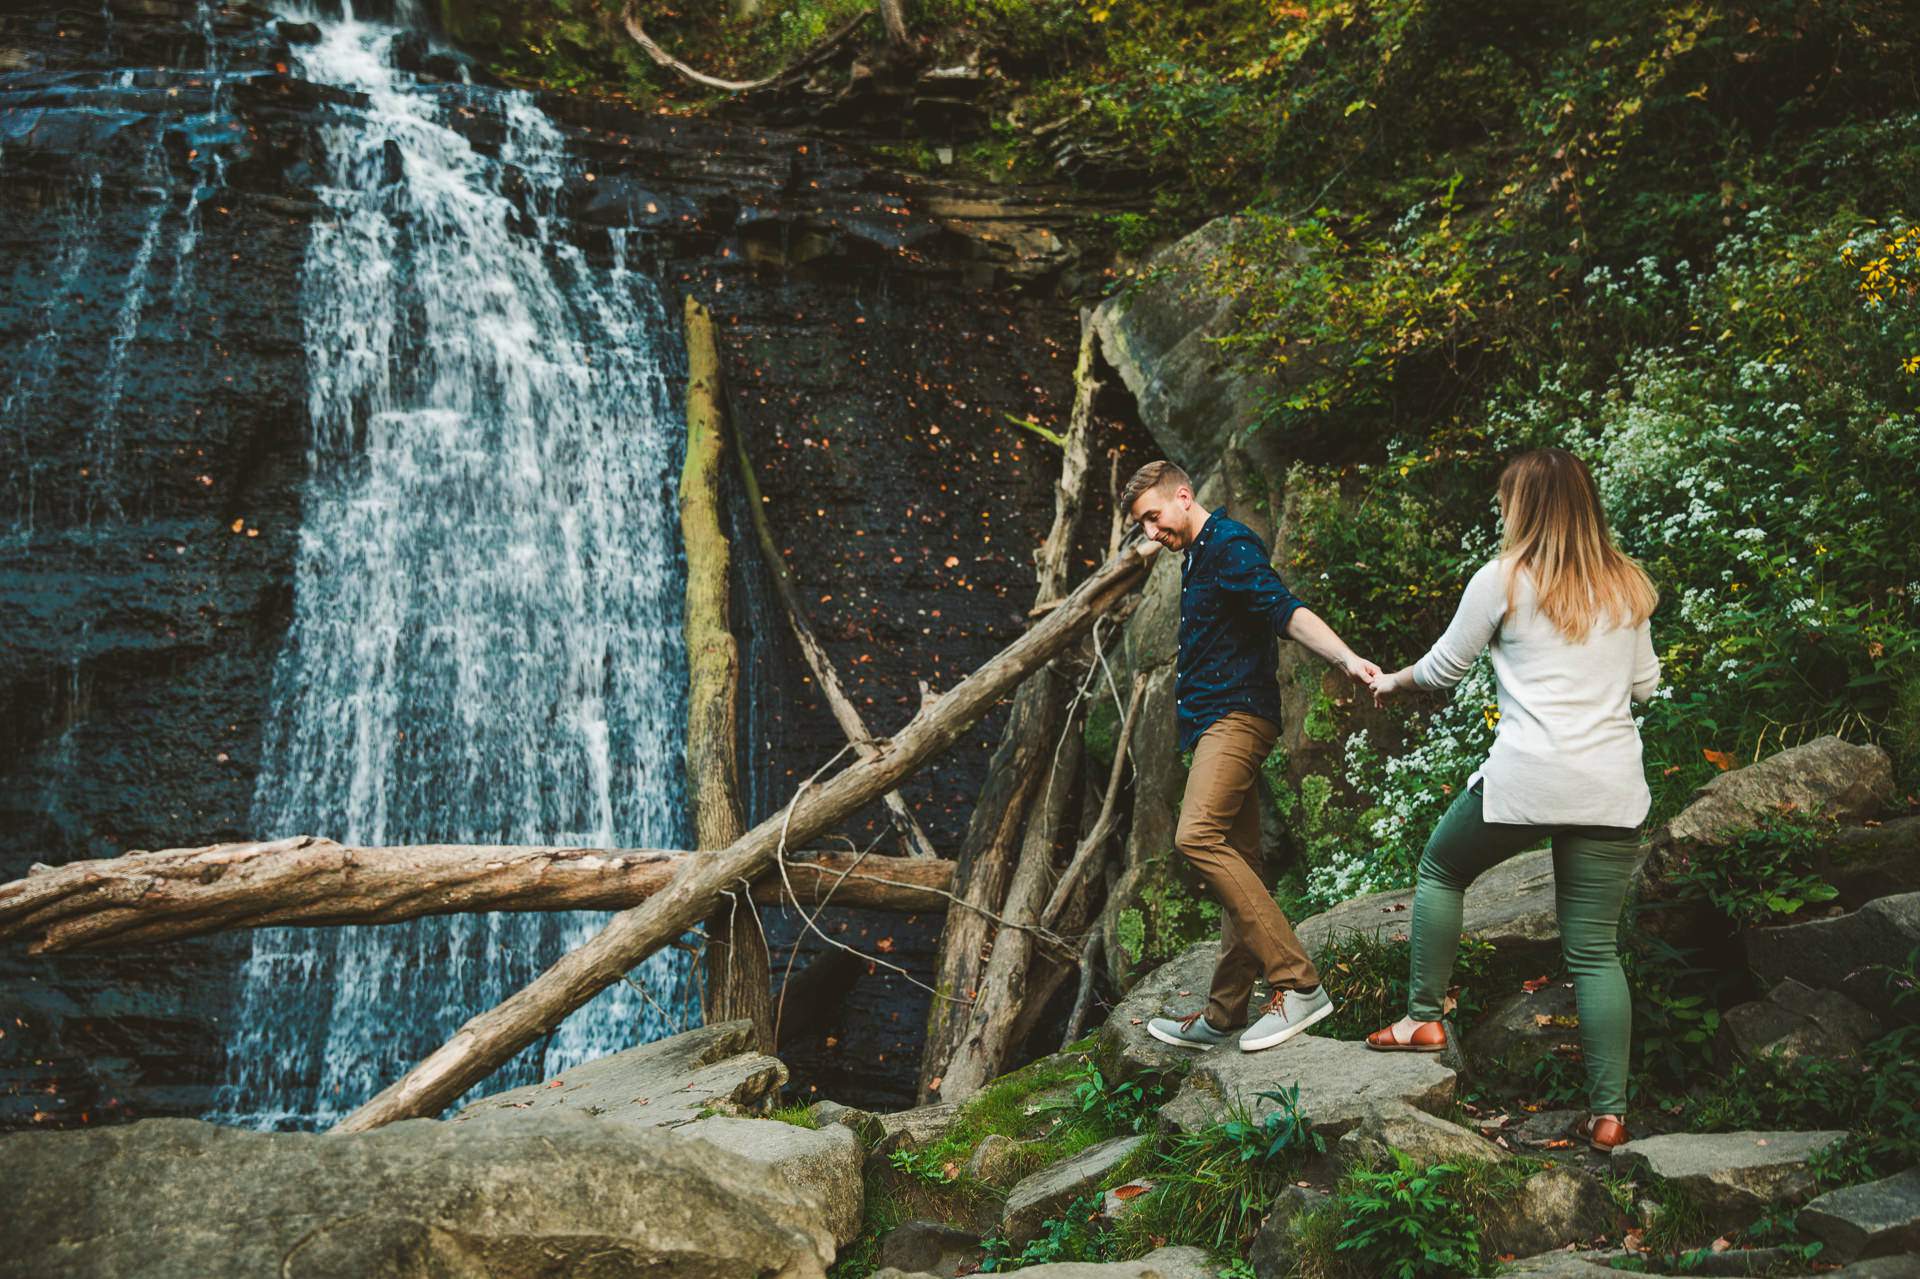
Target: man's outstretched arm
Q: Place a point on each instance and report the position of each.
(1308, 628)
(1247, 573)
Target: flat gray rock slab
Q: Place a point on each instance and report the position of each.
(183, 1199)
(1341, 1082)
(1590, 1264)
(1878, 1218)
(1043, 1194)
(824, 1161)
(1428, 1139)
(657, 1085)
(1179, 1262)
(1907, 1267)
(1733, 1175)
(918, 1126)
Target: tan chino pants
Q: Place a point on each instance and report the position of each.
(1219, 833)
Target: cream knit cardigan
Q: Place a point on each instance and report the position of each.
(1566, 751)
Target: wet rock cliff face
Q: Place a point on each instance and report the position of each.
(157, 160)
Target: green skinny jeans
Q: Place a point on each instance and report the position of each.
(1592, 869)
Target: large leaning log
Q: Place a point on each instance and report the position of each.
(735, 965)
(146, 898)
(488, 1040)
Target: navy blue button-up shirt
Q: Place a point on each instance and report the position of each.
(1232, 605)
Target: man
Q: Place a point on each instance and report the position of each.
(1227, 704)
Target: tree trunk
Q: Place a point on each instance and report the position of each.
(986, 1039)
(988, 853)
(490, 1038)
(147, 898)
(738, 970)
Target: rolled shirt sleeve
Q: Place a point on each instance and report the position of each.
(1245, 572)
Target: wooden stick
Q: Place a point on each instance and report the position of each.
(145, 898)
(1096, 838)
(630, 18)
(913, 837)
(489, 1039)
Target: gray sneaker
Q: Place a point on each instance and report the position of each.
(1191, 1031)
(1287, 1015)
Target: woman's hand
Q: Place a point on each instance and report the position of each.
(1387, 684)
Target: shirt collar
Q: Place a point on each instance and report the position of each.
(1206, 530)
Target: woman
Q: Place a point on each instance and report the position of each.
(1563, 613)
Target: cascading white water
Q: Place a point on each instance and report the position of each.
(486, 643)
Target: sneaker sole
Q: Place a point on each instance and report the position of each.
(1281, 1036)
(1165, 1038)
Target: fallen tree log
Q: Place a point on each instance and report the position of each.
(489, 1039)
(146, 898)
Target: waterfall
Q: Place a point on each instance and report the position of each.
(486, 643)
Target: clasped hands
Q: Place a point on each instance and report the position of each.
(1382, 684)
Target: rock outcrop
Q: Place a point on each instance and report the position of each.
(1826, 777)
(167, 1198)
(662, 1084)
(1847, 953)
(1880, 1218)
(1733, 1176)
(1341, 1083)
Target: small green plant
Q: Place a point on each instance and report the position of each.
(1404, 1222)
(1213, 1187)
(1238, 1268)
(1759, 875)
(799, 1114)
(1075, 1235)
(922, 1165)
(1125, 1106)
(1284, 1130)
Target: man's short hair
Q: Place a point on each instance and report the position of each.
(1161, 474)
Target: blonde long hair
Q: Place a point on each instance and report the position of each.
(1556, 530)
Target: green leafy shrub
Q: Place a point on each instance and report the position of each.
(1405, 1222)
(1760, 874)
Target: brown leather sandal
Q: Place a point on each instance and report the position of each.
(1601, 1133)
(1427, 1037)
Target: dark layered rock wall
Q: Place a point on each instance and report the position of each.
(155, 204)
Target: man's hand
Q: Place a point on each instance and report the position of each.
(1360, 670)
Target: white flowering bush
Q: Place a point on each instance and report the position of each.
(1756, 440)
